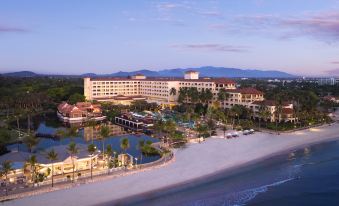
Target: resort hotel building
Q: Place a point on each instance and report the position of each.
(123, 90)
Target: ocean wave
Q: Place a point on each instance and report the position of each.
(238, 198)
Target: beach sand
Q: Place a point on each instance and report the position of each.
(195, 161)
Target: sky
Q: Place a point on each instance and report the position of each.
(105, 36)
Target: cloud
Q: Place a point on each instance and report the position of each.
(170, 6)
(335, 62)
(213, 47)
(211, 13)
(172, 21)
(323, 26)
(9, 29)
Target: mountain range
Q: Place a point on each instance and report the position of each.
(207, 71)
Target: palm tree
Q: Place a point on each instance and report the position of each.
(193, 94)
(124, 145)
(6, 169)
(104, 133)
(31, 141)
(237, 111)
(201, 129)
(278, 112)
(223, 95)
(224, 129)
(210, 126)
(109, 152)
(32, 163)
(173, 91)
(91, 149)
(52, 156)
(208, 95)
(262, 112)
(266, 115)
(91, 123)
(141, 144)
(73, 151)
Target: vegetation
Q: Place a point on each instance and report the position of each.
(5, 169)
(33, 167)
(91, 150)
(104, 133)
(124, 145)
(52, 156)
(73, 151)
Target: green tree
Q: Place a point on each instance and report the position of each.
(91, 149)
(5, 169)
(52, 156)
(222, 95)
(140, 146)
(210, 126)
(74, 98)
(104, 133)
(73, 151)
(173, 91)
(32, 163)
(124, 145)
(31, 141)
(109, 152)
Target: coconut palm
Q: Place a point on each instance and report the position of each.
(224, 129)
(109, 152)
(52, 156)
(73, 151)
(173, 91)
(33, 167)
(278, 113)
(222, 95)
(6, 169)
(31, 141)
(124, 145)
(140, 146)
(210, 126)
(92, 123)
(91, 149)
(202, 129)
(208, 95)
(193, 94)
(262, 112)
(104, 133)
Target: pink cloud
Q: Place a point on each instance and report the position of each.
(323, 26)
(213, 47)
(9, 29)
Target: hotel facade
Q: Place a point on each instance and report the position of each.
(120, 90)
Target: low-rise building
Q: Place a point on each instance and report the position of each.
(80, 112)
(285, 114)
(64, 164)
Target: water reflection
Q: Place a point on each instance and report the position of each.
(93, 133)
(86, 135)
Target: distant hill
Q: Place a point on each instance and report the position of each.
(21, 74)
(207, 71)
(210, 71)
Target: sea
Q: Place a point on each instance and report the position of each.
(307, 176)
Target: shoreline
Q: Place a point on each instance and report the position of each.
(192, 164)
(231, 171)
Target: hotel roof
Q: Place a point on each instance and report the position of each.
(270, 103)
(248, 90)
(215, 80)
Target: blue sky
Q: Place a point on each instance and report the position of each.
(80, 36)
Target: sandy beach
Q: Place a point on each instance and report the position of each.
(194, 161)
